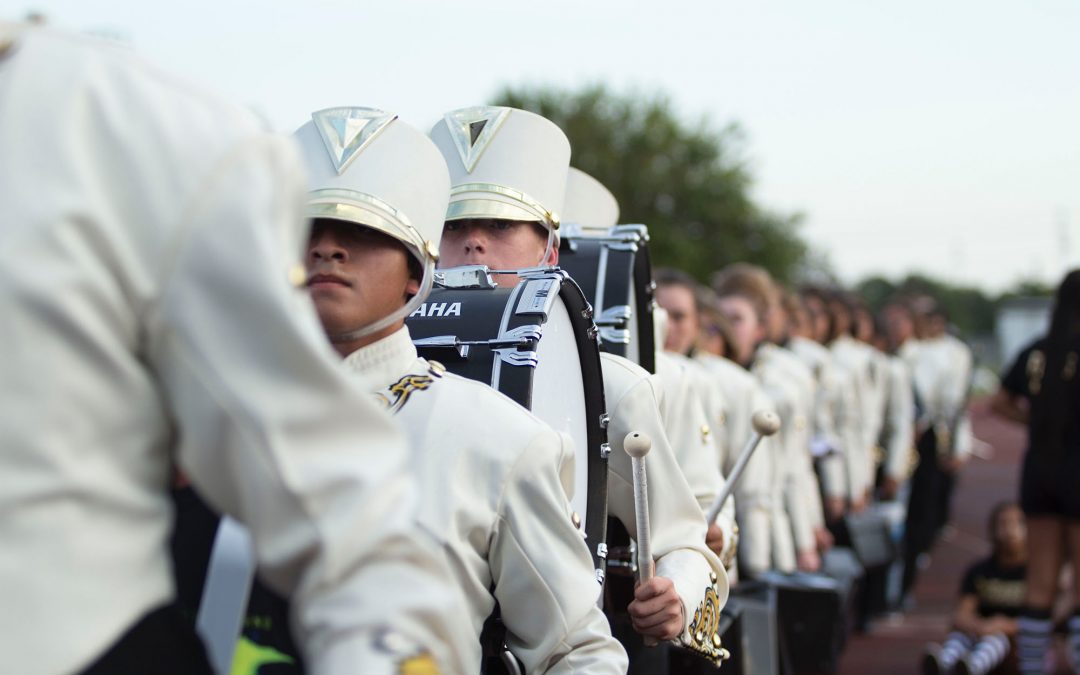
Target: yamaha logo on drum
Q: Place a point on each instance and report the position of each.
(433, 309)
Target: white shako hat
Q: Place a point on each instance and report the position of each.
(368, 167)
(505, 163)
(589, 204)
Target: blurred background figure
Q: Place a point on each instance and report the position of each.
(991, 599)
(1041, 390)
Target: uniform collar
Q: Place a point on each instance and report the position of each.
(386, 360)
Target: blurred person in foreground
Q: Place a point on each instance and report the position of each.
(149, 262)
(1042, 390)
(991, 599)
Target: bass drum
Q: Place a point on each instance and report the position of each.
(613, 269)
(537, 344)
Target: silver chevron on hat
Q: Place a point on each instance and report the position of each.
(473, 130)
(347, 131)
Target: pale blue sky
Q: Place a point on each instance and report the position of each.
(940, 136)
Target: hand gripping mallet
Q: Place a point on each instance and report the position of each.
(765, 423)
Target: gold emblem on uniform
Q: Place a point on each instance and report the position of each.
(705, 431)
(704, 629)
(419, 665)
(400, 391)
(1035, 367)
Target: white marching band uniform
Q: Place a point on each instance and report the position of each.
(754, 496)
(127, 197)
(898, 423)
(941, 372)
(495, 481)
(853, 357)
(789, 384)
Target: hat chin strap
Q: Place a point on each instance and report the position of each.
(548, 249)
(393, 317)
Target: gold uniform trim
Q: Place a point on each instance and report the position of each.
(369, 211)
(704, 629)
(488, 200)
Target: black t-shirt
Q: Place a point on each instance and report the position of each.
(1025, 378)
(1000, 589)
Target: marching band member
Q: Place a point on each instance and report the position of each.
(151, 242)
(855, 358)
(743, 396)
(675, 295)
(494, 479)
(791, 386)
(691, 407)
(743, 299)
(898, 425)
(804, 477)
(508, 172)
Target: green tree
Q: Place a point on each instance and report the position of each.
(688, 183)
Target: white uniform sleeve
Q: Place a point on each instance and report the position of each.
(544, 578)
(273, 433)
(676, 521)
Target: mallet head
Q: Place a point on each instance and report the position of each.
(766, 422)
(637, 444)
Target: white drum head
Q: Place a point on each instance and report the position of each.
(558, 396)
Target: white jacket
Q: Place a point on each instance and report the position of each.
(755, 513)
(676, 522)
(149, 233)
(789, 383)
(495, 485)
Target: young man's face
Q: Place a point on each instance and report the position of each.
(747, 329)
(683, 325)
(356, 275)
(499, 244)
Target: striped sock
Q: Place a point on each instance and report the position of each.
(956, 646)
(1033, 640)
(1074, 639)
(990, 651)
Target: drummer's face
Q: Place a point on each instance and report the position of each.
(682, 329)
(499, 244)
(747, 329)
(356, 276)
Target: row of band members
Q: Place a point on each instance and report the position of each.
(387, 202)
(496, 481)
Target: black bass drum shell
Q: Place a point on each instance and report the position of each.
(615, 273)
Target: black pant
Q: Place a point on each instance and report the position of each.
(162, 642)
(924, 507)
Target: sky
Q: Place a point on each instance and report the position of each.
(931, 136)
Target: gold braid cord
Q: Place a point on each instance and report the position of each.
(704, 629)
